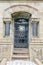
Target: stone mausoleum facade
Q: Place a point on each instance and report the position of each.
(21, 30)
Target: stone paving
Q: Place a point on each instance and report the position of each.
(20, 62)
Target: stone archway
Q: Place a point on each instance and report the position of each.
(21, 35)
(20, 47)
(19, 10)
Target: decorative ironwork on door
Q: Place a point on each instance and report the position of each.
(21, 33)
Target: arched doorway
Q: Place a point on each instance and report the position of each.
(21, 29)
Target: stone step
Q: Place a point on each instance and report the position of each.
(20, 53)
(20, 56)
(15, 58)
(21, 50)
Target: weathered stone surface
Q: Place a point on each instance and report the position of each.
(6, 43)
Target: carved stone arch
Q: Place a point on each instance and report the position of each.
(22, 8)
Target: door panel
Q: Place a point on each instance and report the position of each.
(21, 33)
